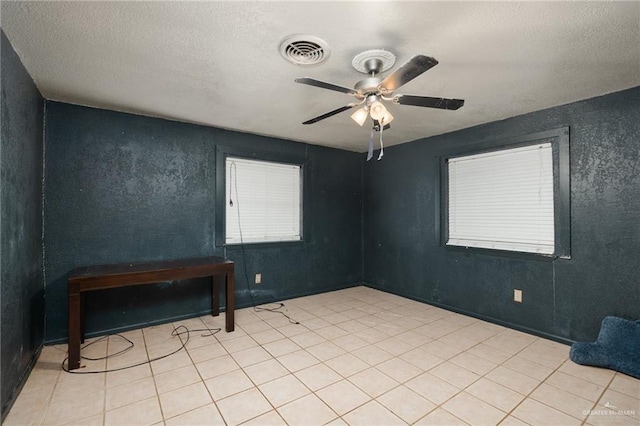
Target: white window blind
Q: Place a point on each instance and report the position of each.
(503, 200)
(263, 201)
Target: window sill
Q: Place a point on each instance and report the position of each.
(263, 245)
(505, 253)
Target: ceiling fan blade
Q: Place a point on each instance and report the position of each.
(407, 72)
(429, 102)
(329, 114)
(324, 85)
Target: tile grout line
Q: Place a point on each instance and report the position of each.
(437, 406)
(320, 363)
(291, 373)
(153, 376)
(193, 363)
(484, 375)
(398, 357)
(526, 396)
(254, 384)
(529, 395)
(600, 397)
(462, 390)
(53, 390)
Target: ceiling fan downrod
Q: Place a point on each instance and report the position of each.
(373, 66)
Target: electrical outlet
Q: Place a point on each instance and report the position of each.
(517, 295)
(258, 278)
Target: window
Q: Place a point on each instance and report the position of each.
(510, 197)
(263, 201)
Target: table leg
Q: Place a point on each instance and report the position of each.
(229, 317)
(83, 316)
(215, 295)
(74, 331)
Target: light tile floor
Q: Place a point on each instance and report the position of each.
(359, 357)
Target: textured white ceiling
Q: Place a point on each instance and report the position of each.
(218, 63)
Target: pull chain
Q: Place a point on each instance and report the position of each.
(370, 154)
(381, 144)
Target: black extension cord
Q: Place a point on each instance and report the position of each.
(130, 346)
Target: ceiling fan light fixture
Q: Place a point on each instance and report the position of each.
(377, 110)
(360, 116)
(386, 119)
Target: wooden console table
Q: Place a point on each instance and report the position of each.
(91, 278)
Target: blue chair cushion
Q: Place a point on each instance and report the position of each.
(617, 347)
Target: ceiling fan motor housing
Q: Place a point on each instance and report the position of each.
(373, 65)
(368, 85)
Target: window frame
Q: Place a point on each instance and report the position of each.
(222, 153)
(559, 139)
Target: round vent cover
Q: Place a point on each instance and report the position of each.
(303, 49)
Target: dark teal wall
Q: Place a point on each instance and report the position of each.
(127, 188)
(566, 299)
(22, 286)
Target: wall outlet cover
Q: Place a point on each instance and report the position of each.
(517, 295)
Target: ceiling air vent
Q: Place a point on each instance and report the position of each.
(303, 49)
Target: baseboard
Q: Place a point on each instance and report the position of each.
(492, 320)
(136, 326)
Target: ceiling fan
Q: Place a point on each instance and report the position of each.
(373, 90)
